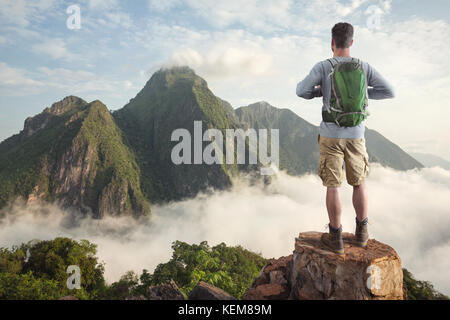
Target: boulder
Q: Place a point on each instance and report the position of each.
(166, 291)
(272, 282)
(206, 291)
(314, 273)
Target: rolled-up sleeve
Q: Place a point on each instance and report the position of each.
(307, 87)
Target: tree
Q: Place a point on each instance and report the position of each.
(123, 288)
(232, 269)
(40, 265)
(420, 290)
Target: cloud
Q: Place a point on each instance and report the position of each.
(21, 13)
(55, 48)
(15, 80)
(256, 14)
(62, 81)
(160, 6)
(117, 19)
(346, 10)
(98, 14)
(408, 210)
(224, 61)
(14, 12)
(101, 5)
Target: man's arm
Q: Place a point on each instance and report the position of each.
(379, 88)
(310, 87)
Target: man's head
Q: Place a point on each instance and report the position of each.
(342, 36)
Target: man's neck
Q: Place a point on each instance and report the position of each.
(345, 53)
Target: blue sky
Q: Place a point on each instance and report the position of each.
(247, 51)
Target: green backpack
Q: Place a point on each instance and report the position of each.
(349, 97)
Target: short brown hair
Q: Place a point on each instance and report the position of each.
(342, 34)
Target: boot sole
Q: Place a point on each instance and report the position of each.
(339, 252)
(359, 244)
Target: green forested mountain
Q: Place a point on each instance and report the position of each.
(173, 99)
(80, 155)
(299, 152)
(73, 153)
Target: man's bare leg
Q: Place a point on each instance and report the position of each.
(360, 201)
(334, 207)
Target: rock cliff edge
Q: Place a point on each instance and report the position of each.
(314, 273)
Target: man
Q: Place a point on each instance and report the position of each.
(341, 134)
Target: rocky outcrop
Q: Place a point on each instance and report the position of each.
(314, 273)
(40, 121)
(166, 291)
(272, 282)
(206, 291)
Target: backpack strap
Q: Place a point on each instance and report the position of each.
(356, 60)
(333, 62)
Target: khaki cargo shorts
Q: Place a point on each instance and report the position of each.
(334, 152)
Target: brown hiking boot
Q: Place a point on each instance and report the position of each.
(333, 240)
(361, 233)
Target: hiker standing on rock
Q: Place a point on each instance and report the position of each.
(346, 84)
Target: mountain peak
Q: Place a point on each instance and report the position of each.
(178, 70)
(168, 77)
(40, 121)
(65, 105)
(262, 105)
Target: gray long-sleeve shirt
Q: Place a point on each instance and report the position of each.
(378, 89)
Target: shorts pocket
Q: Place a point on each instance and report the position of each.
(366, 166)
(357, 169)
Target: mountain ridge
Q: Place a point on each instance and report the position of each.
(431, 160)
(298, 140)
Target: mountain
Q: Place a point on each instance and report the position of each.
(81, 155)
(298, 140)
(172, 99)
(72, 153)
(430, 160)
(388, 154)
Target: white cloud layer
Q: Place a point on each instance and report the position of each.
(224, 62)
(408, 210)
